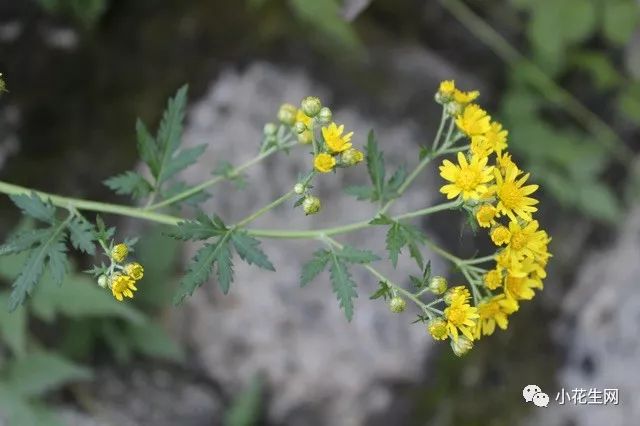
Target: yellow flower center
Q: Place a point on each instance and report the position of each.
(486, 214)
(493, 279)
(518, 240)
(488, 309)
(515, 285)
(456, 315)
(468, 178)
(510, 195)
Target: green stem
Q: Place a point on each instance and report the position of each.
(443, 119)
(265, 209)
(213, 181)
(537, 77)
(478, 260)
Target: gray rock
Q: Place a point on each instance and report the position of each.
(319, 368)
(599, 328)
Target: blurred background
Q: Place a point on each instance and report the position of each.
(563, 76)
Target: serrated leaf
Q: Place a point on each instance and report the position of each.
(343, 285)
(375, 165)
(249, 250)
(23, 240)
(314, 267)
(81, 234)
(395, 241)
(383, 291)
(224, 270)
(38, 373)
(183, 159)
(200, 268)
(202, 228)
(147, 148)
(102, 232)
(170, 131)
(381, 219)
(129, 183)
(32, 205)
(353, 255)
(395, 182)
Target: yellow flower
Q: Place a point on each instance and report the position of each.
(306, 137)
(134, 270)
(504, 161)
(303, 118)
(461, 317)
(474, 121)
(437, 328)
(493, 279)
(122, 285)
(527, 240)
(457, 294)
(447, 88)
(512, 194)
(119, 252)
(500, 235)
(335, 140)
(324, 163)
(465, 97)
(468, 178)
(486, 215)
(493, 311)
(494, 140)
(520, 287)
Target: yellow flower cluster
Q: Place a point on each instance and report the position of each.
(122, 283)
(489, 183)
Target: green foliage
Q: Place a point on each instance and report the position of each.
(382, 190)
(384, 291)
(87, 12)
(422, 281)
(161, 154)
(217, 254)
(227, 171)
(82, 234)
(341, 281)
(32, 205)
(245, 407)
(400, 235)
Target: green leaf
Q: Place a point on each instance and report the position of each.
(375, 165)
(32, 205)
(13, 327)
(82, 234)
(314, 267)
(353, 255)
(129, 183)
(224, 270)
(249, 250)
(202, 228)
(183, 159)
(619, 20)
(23, 240)
(383, 291)
(202, 265)
(343, 285)
(395, 241)
(152, 340)
(170, 131)
(245, 408)
(361, 192)
(35, 374)
(395, 182)
(147, 148)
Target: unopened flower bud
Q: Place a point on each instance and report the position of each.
(287, 114)
(397, 305)
(454, 109)
(270, 129)
(461, 345)
(3, 85)
(325, 116)
(311, 106)
(437, 284)
(300, 127)
(103, 281)
(437, 327)
(119, 252)
(298, 188)
(305, 137)
(351, 157)
(311, 205)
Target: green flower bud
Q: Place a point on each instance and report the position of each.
(351, 157)
(305, 137)
(300, 127)
(287, 114)
(311, 205)
(298, 188)
(325, 115)
(311, 106)
(437, 327)
(437, 285)
(397, 305)
(270, 129)
(461, 346)
(454, 108)
(103, 281)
